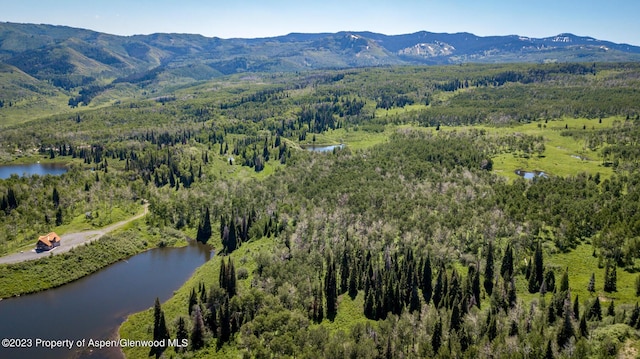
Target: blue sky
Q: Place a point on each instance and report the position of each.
(613, 20)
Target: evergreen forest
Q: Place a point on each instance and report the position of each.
(465, 211)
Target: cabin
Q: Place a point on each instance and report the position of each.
(47, 242)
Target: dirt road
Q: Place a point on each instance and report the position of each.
(69, 241)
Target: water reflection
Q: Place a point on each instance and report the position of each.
(95, 306)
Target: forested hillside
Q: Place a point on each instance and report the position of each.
(87, 68)
(419, 237)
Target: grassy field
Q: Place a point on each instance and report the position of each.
(354, 139)
(562, 156)
(380, 112)
(582, 264)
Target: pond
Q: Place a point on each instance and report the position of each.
(324, 148)
(95, 306)
(41, 169)
(531, 174)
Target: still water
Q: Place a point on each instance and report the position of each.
(531, 174)
(41, 169)
(328, 148)
(95, 306)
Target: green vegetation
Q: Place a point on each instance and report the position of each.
(83, 200)
(56, 270)
(417, 239)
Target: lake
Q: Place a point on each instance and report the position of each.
(327, 148)
(96, 305)
(41, 169)
(531, 174)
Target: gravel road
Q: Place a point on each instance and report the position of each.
(69, 241)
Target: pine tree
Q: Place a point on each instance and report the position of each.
(12, 200)
(320, 309)
(566, 330)
(635, 315)
(551, 312)
(231, 279)
(610, 278)
(344, 272)
(436, 338)
(550, 281)
(202, 291)
(454, 292)
(475, 286)
(533, 285)
(193, 300)
(389, 350)
(506, 267)
(369, 305)
(488, 270)
(527, 272)
(564, 281)
(181, 333)
(59, 217)
(548, 354)
(197, 332)
(427, 286)
(204, 228)
(232, 242)
(414, 301)
(595, 312)
(513, 328)
(537, 270)
(455, 320)
(353, 283)
(330, 288)
(222, 276)
(584, 332)
(464, 339)
(439, 287)
(160, 331)
(211, 318)
(492, 330)
(225, 322)
(55, 198)
(592, 284)
(512, 297)
(611, 310)
(576, 308)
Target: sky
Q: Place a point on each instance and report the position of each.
(613, 20)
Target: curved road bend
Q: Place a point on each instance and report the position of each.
(70, 240)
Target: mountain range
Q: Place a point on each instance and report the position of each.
(66, 58)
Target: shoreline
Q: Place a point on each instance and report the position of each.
(18, 278)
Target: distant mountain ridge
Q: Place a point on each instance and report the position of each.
(71, 58)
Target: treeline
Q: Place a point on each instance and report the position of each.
(86, 94)
(551, 91)
(431, 280)
(533, 75)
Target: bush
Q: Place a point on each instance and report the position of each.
(242, 273)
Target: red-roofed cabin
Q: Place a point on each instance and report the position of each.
(48, 242)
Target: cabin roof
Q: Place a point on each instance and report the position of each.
(50, 238)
